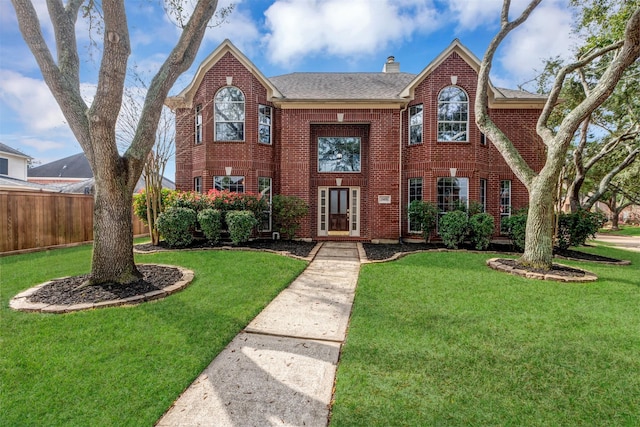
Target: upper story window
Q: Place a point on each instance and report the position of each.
(198, 124)
(229, 114)
(415, 124)
(4, 166)
(453, 114)
(338, 154)
(264, 124)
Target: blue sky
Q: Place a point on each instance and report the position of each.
(279, 36)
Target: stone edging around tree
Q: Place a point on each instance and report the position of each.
(496, 264)
(21, 303)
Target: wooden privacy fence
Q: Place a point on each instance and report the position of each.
(31, 220)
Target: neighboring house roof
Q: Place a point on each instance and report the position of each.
(8, 183)
(76, 166)
(86, 186)
(390, 87)
(6, 149)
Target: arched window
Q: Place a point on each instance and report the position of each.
(453, 114)
(229, 114)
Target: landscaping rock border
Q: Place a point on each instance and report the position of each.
(500, 265)
(21, 301)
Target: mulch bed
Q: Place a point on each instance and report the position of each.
(294, 247)
(556, 269)
(65, 291)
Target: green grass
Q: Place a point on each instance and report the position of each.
(440, 339)
(124, 366)
(625, 230)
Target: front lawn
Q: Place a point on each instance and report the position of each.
(124, 366)
(625, 230)
(440, 339)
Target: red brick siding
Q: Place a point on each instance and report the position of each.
(291, 161)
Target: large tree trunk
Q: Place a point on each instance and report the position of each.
(112, 259)
(538, 250)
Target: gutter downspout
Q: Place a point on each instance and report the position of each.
(400, 210)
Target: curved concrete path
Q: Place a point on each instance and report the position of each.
(281, 369)
(623, 242)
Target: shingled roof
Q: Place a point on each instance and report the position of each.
(76, 166)
(339, 86)
(6, 149)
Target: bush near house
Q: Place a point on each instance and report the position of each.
(140, 203)
(241, 224)
(573, 228)
(210, 221)
(288, 212)
(425, 214)
(176, 225)
(453, 228)
(480, 230)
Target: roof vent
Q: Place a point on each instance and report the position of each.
(391, 66)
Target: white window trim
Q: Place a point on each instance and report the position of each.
(198, 125)
(270, 124)
(354, 204)
(342, 172)
(232, 176)
(421, 124)
(268, 201)
(244, 117)
(438, 121)
(409, 202)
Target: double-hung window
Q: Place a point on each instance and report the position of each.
(197, 184)
(415, 193)
(234, 184)
(264, 124)
(229, 114)
(4, 166)
(453, 114)
(415, 124)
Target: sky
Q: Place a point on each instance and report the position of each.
(279, 37)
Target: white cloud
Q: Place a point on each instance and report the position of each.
(41, 145)
(31, 100)
(306, 27)
(546, 34)
(471, 14)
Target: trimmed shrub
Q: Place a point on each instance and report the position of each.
(140, 203)
(480, 230)
(425, 214)
(240, 223)
(288, 211)
(575, 228)
(210, 221)
(453, 228)
(176, 225)
(515, 227)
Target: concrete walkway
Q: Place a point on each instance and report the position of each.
(623, 242)
(280, 370)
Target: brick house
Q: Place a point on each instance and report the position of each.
(357, 147)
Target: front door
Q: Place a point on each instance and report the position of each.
(339, 210)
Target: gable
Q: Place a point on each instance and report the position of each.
(185, 98)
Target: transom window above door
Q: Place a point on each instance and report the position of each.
(229, 114)
(339, 154)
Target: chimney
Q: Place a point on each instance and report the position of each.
(391, 66)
